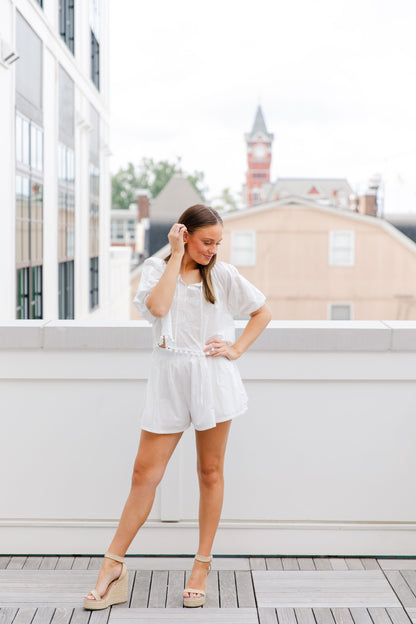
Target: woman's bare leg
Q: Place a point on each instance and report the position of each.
(210, 445)
(152, 458)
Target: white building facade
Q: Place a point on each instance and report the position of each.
(54, 160)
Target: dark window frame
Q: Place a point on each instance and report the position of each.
(67, 23)
(95, 60)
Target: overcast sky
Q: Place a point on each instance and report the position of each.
(336, 80)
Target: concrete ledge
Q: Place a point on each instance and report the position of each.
(338, 336)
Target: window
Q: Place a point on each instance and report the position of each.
(29, 218)
(94, 234)
(66, 290)
(243, 247)
(340, 311)
(29, 293)
(67, 22)
(66, 230)
(341, 248)
(95, 61)
(93, 283)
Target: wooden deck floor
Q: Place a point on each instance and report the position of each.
(270, 590)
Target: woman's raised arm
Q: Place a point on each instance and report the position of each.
(161, 297)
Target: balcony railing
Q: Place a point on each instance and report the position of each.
(323, 462)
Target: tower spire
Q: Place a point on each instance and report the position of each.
(259, 155)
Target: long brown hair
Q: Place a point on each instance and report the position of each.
(194, 218)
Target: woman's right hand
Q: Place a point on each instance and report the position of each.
(175, 237)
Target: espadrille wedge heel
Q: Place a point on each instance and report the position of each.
(199, 600)
(115, 593)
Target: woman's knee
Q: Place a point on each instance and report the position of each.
(146, 474)
(210, 475)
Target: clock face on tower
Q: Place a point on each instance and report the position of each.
(259, 151)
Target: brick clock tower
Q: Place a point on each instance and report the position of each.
(259, 156)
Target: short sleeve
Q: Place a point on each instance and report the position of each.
(152, 271)
(242, 296)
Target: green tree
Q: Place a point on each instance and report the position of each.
(150, 174)
(225, 201)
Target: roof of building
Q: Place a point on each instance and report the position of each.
(294, 202)
(336, 191)
(177, 195)
(259, 126)
(406, 223)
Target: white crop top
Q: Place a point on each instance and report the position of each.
(192, 320)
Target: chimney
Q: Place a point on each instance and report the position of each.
(143, 203)
(367, 203)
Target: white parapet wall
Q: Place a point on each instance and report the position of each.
(323, 463)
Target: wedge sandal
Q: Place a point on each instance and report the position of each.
(115, 593)
(199, 600)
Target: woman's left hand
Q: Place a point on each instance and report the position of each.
(219, 348)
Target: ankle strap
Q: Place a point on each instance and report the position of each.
(115, 557)
(203, 559)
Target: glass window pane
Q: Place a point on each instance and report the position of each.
(18, 138)
(25, 142)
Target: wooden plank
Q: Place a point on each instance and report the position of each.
(231, 563)
(44, 615)
(285, 615)
(183, 616)
(7, 615)
(290, 563)
(80, 616)
(158, 589)
(176, 584)
(49, 563)
(64, 563)
(245, 591)
(32, 563)
(402, 589)
(81, 563)
(323, 588)
(100, 617)
(410, 578)
(304, 615)
(16, 563)
(398, 615)
(360, 615)
(354, 563)
(95, 563)
(257, 563)
(24, 616)
(141, 588)
(323, 616)
(397, 564)
(267, 616)
(338, 563)
(370, 563)
(322, 563)
(274, 563)
(379, 615)
(306, 563)
(62, 615)
(4, 561)
(213, 593)
(227, 589)
(160, 563)
(342, 615)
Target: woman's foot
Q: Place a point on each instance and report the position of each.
(198, 578)
(110, 570)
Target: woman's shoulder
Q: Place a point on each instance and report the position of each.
(223, 269)
(154, 263)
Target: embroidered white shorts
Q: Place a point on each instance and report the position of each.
(186, 388)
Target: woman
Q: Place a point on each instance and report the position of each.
(190, 299)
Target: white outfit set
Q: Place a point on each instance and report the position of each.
(184, 384)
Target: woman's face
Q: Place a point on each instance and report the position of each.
(203, 243)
